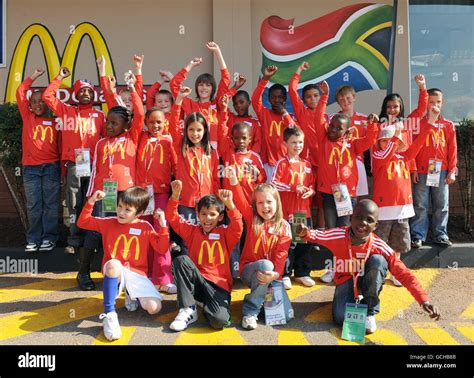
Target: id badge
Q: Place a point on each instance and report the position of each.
(342, 199)
(434, 172)
(273, 306)
(296, 219)
(151, 203)
(109, 203)
(353, 328)
(83, 162)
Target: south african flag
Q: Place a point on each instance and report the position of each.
(350, 46)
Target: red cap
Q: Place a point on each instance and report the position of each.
(79, 84)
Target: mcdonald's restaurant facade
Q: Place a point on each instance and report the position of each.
(251, 34)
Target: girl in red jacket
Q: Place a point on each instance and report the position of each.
(266, 246)
(197, 161)
(206, 89)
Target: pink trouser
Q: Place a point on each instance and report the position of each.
(159, 266)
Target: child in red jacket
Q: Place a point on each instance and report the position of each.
(81, 128)
(206, 89)
(268, 238)
(294, 180)
(204, 275)
(40, 141)
(436, 169)
(126, 240)
(361, 261)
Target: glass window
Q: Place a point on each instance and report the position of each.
(442, 48)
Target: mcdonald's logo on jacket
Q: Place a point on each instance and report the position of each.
(211, 251)
(39, 138)
(128, 243)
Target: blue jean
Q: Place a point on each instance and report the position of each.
(330, 212)
(369, 285)
(439, 198)
(42, 189)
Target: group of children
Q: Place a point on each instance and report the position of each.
(174, 191)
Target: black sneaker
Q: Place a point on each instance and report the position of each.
(415, 243)
(445, 242)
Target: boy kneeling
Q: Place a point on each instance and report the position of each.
(362, 261)
(204, 276)
(125, 263)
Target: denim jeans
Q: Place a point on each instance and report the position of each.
(75, 191)
(253, 301)
(42, 188)
(330, 212)
(439, 198)
(369, 285)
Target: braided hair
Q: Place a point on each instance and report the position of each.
(123, 113)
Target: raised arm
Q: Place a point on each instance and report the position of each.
(420, 110)
(298, 105)
(239, 198)
(235, 227)
(138, 114)
(49, 96)
(179, 224)
(160, 241)
(138, 64)
(257, 102)
(21, 98)
(86, 220)
(364, 143)
(224, 144)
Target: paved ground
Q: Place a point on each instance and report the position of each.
(47, 309)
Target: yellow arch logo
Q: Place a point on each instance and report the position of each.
(336, 151)
(126, 246)
(210, 252)
(150, 148)
(277, 126)
(44, 130)
(397, 169)
(259, 241)
(53, 63)
(437, 138)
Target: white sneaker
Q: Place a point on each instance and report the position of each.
(185, 317)
(249, 322)
(396, 282)
(169, 288)
(31, 247)
(47, 246)
(306, 281)
(111, 326)
(287, 283)
(328, 276)
(370, 324)
(130, 304)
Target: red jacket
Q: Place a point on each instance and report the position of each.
(287, 176)
(391, 170)
(270, 244)
(338, 241)
(115, 157)
(81, 127)
(128, 242)
(156, 162)
(337, 158)
(215, 264)
(40, 138)
(197, 171)
(440, 143)
(273, 126)
(231, 157)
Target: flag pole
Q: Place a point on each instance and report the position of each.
(392, 48)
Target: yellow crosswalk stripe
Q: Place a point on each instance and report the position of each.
(468, 312)
(432, 334)
(466, 329)
(322, 314)
(127, 333)
(52, 316)
(208, 336)
(389, 308)
(337, 332)
(16, 293)
(292, 337)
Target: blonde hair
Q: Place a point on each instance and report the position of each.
(345, 89)
(277, 218)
